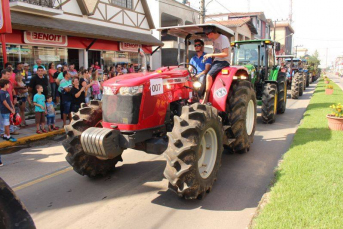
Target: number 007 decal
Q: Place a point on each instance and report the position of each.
(221, 92)
(156, 86)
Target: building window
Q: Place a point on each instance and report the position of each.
(122, 3)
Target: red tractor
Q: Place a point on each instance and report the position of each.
(157, 112)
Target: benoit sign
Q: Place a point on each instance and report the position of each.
(45, 38)
(128, 47)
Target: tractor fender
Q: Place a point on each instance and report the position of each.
(221, 86)
(271, 81)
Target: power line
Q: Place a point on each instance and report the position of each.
(313, 39)
(277, 9)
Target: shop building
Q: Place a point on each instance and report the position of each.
(79, 32)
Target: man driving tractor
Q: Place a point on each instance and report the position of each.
(201, 65)
(221, 55)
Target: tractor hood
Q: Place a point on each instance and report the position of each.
(136, 79)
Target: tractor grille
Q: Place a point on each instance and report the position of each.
(121, 109)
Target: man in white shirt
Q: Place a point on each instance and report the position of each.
(221, 57)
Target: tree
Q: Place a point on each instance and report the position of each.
(313, 61)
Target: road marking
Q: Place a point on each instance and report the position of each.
(40, 179)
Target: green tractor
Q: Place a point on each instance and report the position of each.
(269, 82)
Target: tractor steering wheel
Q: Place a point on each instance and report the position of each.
(194, 69)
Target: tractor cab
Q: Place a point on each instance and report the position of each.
(256, 55)
(286, 62)
(297, 64)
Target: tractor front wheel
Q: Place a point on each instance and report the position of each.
(13, 213)
(87, 116)
(282, 93)
(301, 84)
(241, 110)
(295, 86)
(269, 103)
(194, 151)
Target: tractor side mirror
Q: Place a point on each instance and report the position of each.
(277, 46)
(164, 32)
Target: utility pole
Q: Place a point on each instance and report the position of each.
(202, 11)
(296, 50)
(274, 28)
(291, 12)
(326, 65)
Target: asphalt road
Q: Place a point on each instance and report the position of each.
(136, 195)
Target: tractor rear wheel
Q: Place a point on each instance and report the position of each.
(269, 103)
(282, 93)
(194, 151)
(13, 214)
(241, 110)
(87, 116)
(307, 80)
(295, 86)
(301, 84)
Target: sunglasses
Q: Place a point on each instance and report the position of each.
(197, 45)
(207, 34)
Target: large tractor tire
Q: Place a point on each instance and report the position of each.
(307, 80)
(194, 151)
(282, 93)
(241, 110)
(310, 77)
(295, 86)
(13, 214)
(269, 103)
(301, 84)
(87, 116)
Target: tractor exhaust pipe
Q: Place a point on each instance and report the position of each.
(144, 65)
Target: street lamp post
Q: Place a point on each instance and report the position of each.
(296, 50)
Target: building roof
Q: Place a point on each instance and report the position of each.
(280, 24)
(25, 21)
(248, 14)
(236, 22)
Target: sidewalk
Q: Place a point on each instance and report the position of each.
(338, 80)
(28, 133)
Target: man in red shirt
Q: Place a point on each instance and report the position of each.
(96, 65)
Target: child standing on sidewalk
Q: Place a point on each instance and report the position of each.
(40, 110)
(6, 108)
(50, 109)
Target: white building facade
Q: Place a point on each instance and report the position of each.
(81, 32)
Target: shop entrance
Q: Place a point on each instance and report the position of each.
(73, 57)
(94, 56)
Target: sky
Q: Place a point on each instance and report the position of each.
(317, 23)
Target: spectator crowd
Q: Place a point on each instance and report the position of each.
(44, 90)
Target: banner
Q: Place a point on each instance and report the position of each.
(5, 17)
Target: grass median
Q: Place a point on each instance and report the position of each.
(308, 187)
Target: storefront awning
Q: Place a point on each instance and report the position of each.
(25, 21)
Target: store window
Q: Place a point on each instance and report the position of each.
(112, 58)
(122, 3)
(29, 54)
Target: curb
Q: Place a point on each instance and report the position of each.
(30, 138)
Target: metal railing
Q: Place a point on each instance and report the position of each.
(45, 3)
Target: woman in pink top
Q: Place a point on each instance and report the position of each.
(131, 68)
(52, 82)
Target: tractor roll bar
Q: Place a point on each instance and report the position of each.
(192, 32)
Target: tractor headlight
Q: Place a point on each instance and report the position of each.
(131, 90)
(197, 85)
